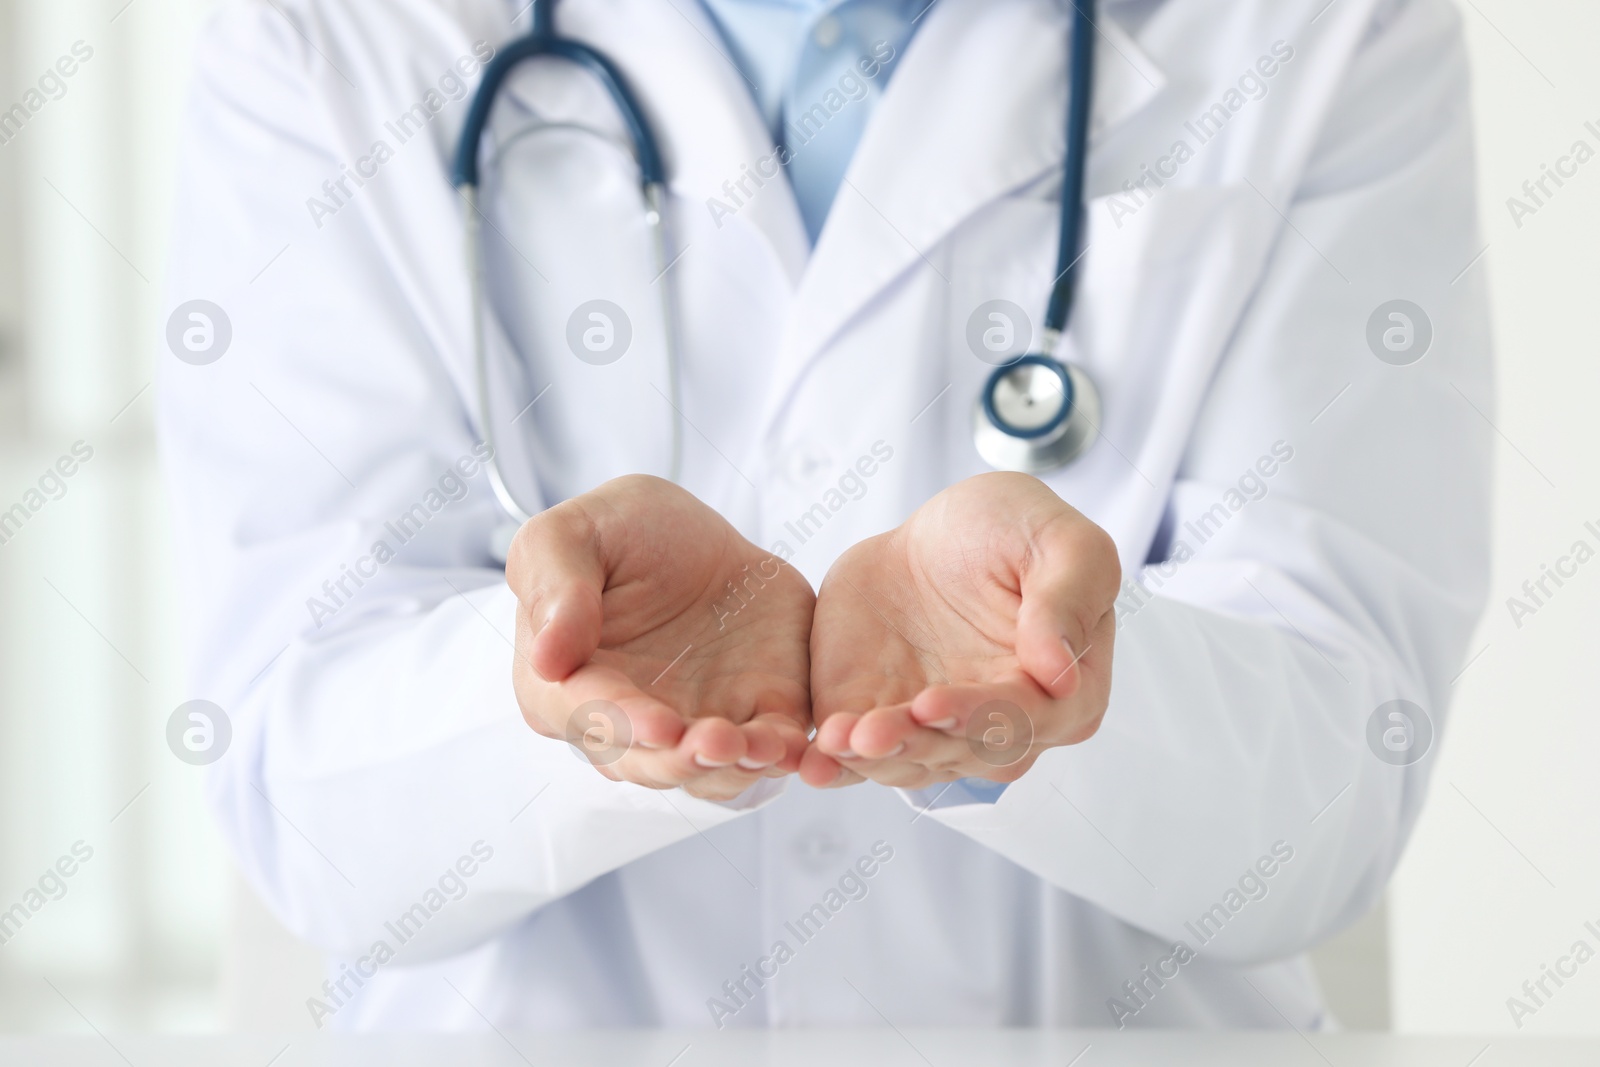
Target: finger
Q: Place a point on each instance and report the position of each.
(785, 708)
(556, 570)
(775, 742)
(1068, 587)
(711, 744)
(899, 773)
(593, 698)
(885, 745)
(888, 734)
(707, 746)
(882, 733)
(821, 771)
(720, 785)
(1007, 712)
(1050, 647)
(764, 744)
(893, 735)
(833, 735)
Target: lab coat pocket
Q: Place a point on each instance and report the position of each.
(1162, 290)
(1157, 274)
(1163, 284)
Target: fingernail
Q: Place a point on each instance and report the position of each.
(942, 724)
(753, 765)
(651, 745)
(846, 754)
(710, 765)
(901, 747)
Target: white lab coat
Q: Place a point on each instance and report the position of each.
(1223, 315)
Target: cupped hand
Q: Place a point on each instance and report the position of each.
(665, 646)
(964, 643)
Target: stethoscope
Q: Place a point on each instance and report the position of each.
(1035, 413)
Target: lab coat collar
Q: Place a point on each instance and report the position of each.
(704, 112)
(976, 110)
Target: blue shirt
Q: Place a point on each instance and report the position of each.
(817, 68)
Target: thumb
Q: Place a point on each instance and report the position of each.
(557, 571)
(1069, 586)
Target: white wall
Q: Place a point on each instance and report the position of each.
(87, 655)
(1505, 866)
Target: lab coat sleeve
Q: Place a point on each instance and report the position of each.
(1326, 553)
(332, 518)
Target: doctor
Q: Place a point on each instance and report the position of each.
(1278, 530)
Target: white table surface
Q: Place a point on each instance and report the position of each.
(805, 1048)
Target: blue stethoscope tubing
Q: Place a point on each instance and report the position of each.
(1034, 414)
(1037, 412)
(542, 41)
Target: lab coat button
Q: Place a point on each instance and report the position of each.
(827, 32)
(805, 464)
(819, 849)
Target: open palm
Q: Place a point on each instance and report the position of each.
(965, 642)
(654, 636)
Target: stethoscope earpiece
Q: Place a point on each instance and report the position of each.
(1035, 414)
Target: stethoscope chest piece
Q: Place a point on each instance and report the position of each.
(1035, 414)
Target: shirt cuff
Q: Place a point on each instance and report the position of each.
(960, 792)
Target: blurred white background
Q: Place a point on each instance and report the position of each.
(1502, 874)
